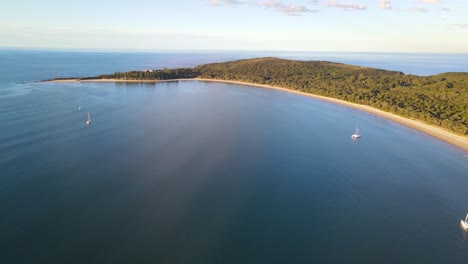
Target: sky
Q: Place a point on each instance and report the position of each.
(439, 26)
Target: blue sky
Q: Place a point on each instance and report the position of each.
(290, 25)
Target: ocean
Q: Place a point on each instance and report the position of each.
(197, 172)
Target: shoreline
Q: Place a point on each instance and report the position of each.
(436, 132)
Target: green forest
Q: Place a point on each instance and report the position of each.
(440, 100)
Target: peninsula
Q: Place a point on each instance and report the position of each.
(436, 105)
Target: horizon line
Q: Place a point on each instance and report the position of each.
(61, 49)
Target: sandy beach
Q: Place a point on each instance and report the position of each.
(439, 133)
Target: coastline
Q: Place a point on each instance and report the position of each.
(436, 132)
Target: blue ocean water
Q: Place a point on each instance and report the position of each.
(49, 64)
(195, 172)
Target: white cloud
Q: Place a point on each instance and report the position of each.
(291, 10)
(429, 1)
(463, 25)
(418, 10)
(225, 2)
(385, 4)
(349, 7)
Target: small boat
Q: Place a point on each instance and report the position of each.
(79, 108)
(88, 122)
(464, 223)
(356, 134)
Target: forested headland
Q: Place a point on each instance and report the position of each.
(441, 100)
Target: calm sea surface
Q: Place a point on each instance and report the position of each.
(195, 172)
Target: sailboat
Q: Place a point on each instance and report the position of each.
(88, 122)
(464, 223)
(356, 134)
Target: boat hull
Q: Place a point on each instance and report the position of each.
(464, 225)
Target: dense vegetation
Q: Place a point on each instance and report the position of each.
(441, 99)
(164, 74)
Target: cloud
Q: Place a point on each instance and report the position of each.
(349, 7)
(385, 4)
(429, 1)
(418, 10)
(290, 10)
(446, 9)
(225, 2)
(463, 25)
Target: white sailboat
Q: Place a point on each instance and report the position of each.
(88, 122)
(356, 134)
(464, 223)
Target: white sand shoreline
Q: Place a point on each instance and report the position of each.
(439, 133)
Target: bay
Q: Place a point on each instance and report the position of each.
(203, 172)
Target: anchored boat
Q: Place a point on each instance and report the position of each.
(356, 134)
(88, 122)
(464, 223)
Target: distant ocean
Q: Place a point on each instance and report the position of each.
(49, 64)
(196, 172)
